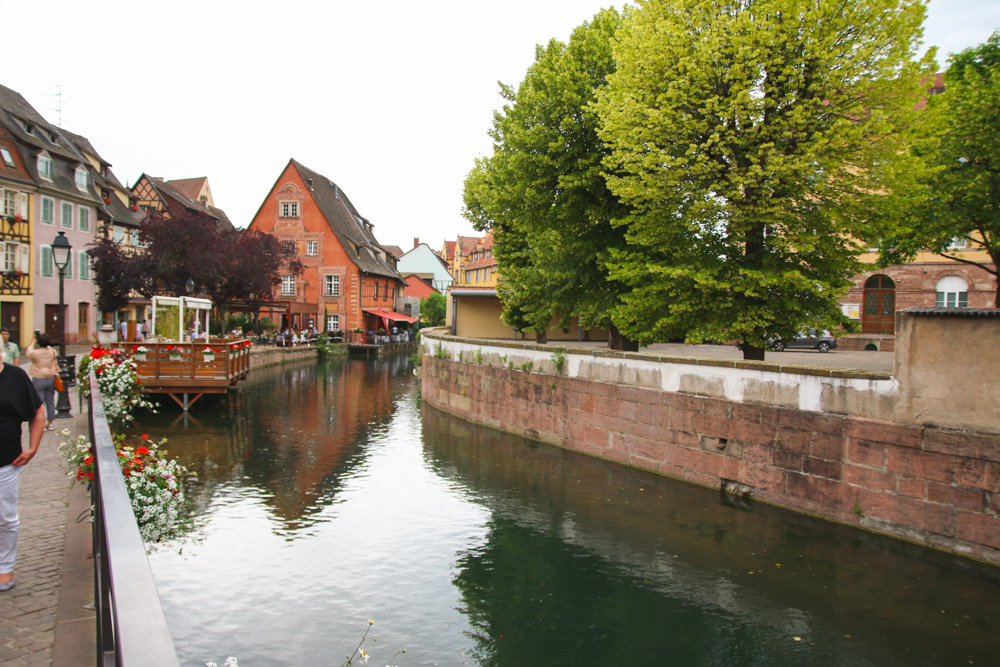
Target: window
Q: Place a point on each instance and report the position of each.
(312, 248)
(952, 292)
(84, 264)
(45, 166)
(135, 237)
(287, 285)
(9, 256)
(333, 285)
(46, 263)
(958, 243)
(7, 158)
(333, 323)
(48, 211)
(118, 234)
(84, 219)
(82, 178)
(289, 209)
(67, 215)
(10, 203)
(289, 247)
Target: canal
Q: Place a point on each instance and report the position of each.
(329, 494)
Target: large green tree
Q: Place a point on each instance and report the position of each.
(543, 194)
(757, 142)
(960, 198)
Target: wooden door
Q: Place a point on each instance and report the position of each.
(83, 322)
(879, 313)
(10, 319)
(52, 322)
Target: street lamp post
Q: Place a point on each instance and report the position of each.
(60, 256)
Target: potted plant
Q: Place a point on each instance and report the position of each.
(139, 353)
(174, 352)
(208, 354)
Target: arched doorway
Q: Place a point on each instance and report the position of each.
(879, 314)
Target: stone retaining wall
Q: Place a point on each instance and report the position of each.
(764, 433)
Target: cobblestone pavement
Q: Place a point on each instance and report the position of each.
(31, 618)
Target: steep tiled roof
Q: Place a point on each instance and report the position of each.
(191, 187)
(450, 251)
(353, 231)
(393, 250)
(168, 191)
(468, 243)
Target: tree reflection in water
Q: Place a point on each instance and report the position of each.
(328, 494)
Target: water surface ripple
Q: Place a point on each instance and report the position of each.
(329, 494)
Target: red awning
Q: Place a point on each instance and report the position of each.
(390, 315)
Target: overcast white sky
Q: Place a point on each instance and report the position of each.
(391, 100)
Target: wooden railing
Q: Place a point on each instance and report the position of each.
(187, 364)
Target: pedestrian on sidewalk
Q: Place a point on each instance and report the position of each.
(12, 350)
(19, 402)
(43, 370)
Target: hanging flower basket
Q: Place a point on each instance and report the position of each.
(208, 354)
(174, 352)
(139, 353)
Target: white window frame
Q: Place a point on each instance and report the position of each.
(10, 202)
(10, 254)
(332, 285)
(287, 285)
(118, 234)
(82, 178)
(288, 209)
(52, 211)
(333, 322)
(46, 167)
(83, 219)
(64, 208)
(290, 245)
(952, 292)
(312, 248)
(8, 159)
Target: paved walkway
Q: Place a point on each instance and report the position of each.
(43, 620)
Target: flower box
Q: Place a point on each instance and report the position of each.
(208, 354)
(174, 352)
(139, 353)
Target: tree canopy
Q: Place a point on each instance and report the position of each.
(229, 265)
(542, 192)
(960, 139)
(756, 142)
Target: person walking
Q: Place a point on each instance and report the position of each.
(13, 350)
(19, 403)
(43, 370)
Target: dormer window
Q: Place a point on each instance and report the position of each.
(82, 178)
(8, 159)
(45, 169)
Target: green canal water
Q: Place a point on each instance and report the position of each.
(330, 494)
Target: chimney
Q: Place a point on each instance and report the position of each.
(416, 241)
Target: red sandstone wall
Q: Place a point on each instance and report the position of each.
(927, 485)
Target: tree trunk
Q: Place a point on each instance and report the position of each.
(619, 341)
(542, 337)
(752, 352)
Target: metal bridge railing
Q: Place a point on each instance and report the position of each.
(131, 628)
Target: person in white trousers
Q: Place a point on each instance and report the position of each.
(19, 403)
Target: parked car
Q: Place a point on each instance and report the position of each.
(813, 340)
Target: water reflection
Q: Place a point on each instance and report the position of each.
(629, 563)
(328, 494)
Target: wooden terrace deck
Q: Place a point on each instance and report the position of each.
(188, 376)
